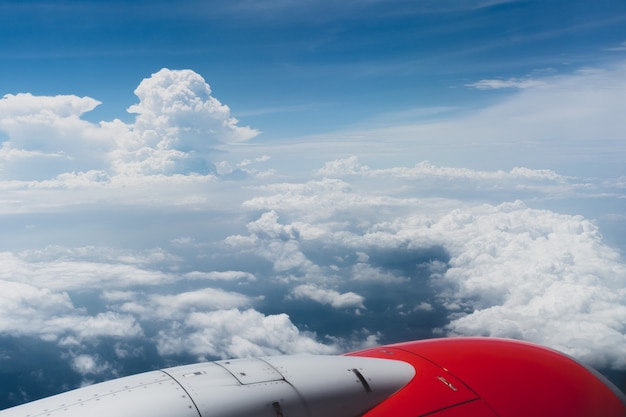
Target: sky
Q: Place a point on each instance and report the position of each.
(200, 180)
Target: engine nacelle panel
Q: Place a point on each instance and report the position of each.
(284, 386)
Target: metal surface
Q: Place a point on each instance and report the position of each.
(286, 386)
(457, 377)
(329, 387)
(217, 393)
(433, 388)
(152, 394)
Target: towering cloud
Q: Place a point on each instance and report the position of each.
(176, 130)
(178, 124)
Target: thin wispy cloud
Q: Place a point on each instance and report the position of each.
(510, 83)
(620, 48)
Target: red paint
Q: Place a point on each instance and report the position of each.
(493, 378)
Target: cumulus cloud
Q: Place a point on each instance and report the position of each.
(176, 306)
(175, 260)
(236, 333)
(52, 316)
(538, 276)
(88, 364)
(207, 323)
(327, 296)
(45, 124)
(504, 268)
(178, 123)
(511, 271)
(275, 242)
(26, 308)
(177, 127)
(48, 133)
(363, 271)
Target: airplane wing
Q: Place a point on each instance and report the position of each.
(453, 377)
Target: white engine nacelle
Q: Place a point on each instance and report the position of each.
(279, 386)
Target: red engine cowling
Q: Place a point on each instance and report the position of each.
(488, 377)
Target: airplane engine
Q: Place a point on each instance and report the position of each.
(487, 377)
(469, 377)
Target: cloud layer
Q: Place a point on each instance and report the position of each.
(511, 271)
(126, 244)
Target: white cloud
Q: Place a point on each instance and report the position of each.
(236, 333)
(26, 107)
(107, 324)
(41, 312)
(61, 274)
(48, 137)
(510, 83)
(499, 269)
(275, 242)
(327, 296)
(177, 127)
(538, 276)
(197, 317)
(88, 364)
(317, 199)
(362, 271)
(45, 124)
(424, 306)
(426, 170)
(221, 275)
(345, 166)
(178, 124)
(98, 254)
(117, 296)
(512, 271)
(26, 308)
(177, 306)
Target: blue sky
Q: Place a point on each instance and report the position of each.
(311, 60)
(219, 179)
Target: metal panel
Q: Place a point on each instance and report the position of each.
(250, 370)
(152, 394)
(217, 393)
(324, 386)
(302, 386)
(330, 387)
